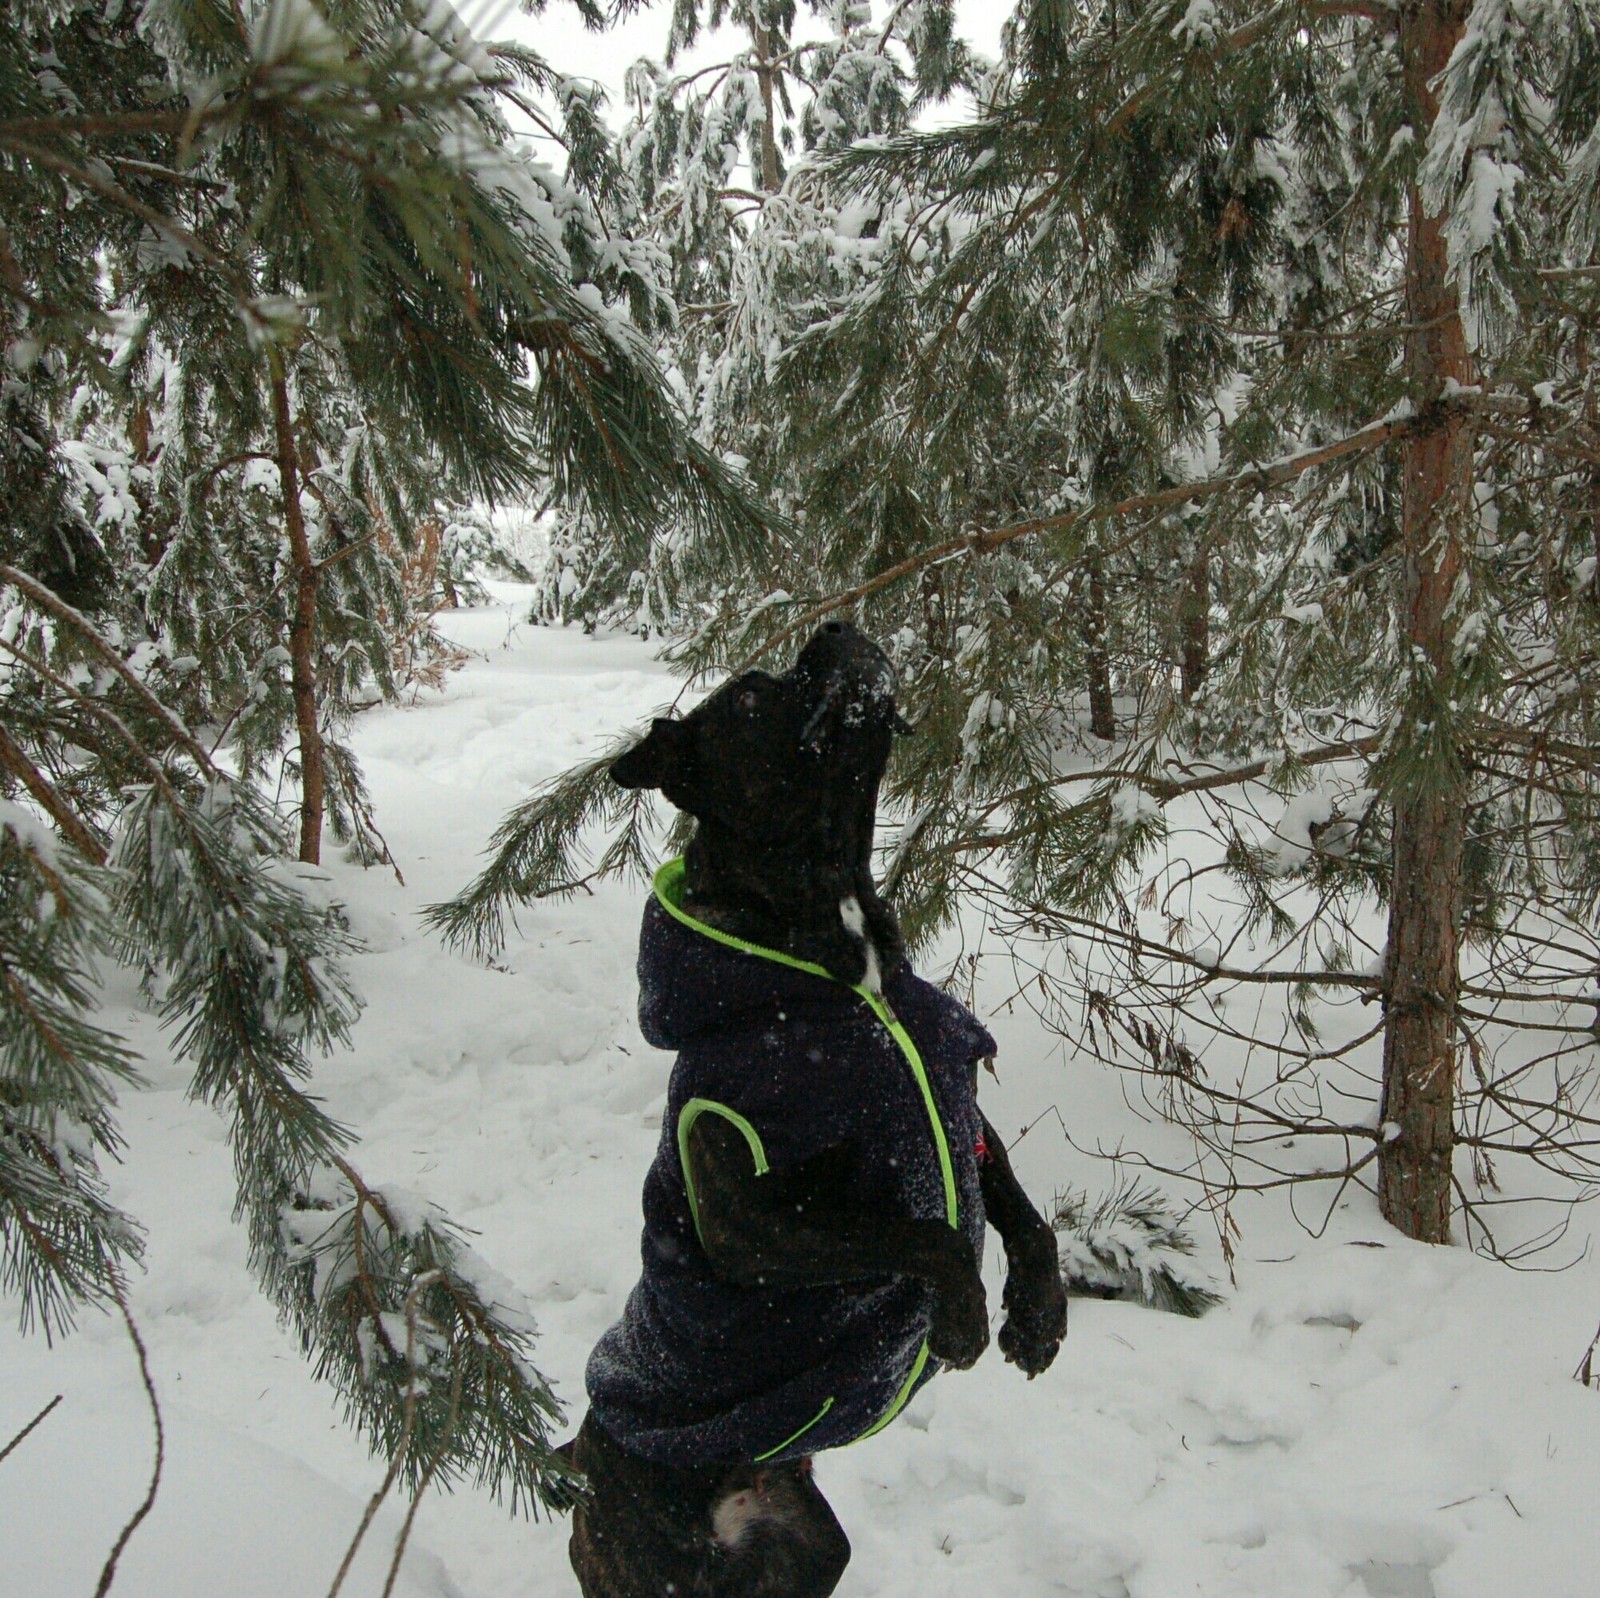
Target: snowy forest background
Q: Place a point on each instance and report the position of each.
(1194, 396)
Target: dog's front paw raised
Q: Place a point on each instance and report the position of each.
(960, 1330)
(1035, 1304)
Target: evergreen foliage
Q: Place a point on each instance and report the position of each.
(535, 853)
(1208, 428)
(60, 1241)
(281, 302)
(707, 154)
(1130, 1246)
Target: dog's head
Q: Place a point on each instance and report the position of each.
(782, 774)
(767, 757)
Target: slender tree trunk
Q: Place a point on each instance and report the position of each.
(1102, 717)
(1423, 962)
(765, 41)
(1194, 624)
(303, 633)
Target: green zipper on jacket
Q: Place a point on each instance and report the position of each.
(668, 886)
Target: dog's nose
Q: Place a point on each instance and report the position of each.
(838, 657)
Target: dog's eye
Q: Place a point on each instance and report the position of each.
(749, 699)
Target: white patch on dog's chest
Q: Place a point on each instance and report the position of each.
(733, 1516)
(856, 923)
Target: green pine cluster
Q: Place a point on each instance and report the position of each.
(1132, 1247)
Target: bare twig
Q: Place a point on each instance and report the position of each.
(422, 1485)
(7, 1450)
(109, 1572)
(1585, 1372)
(408, 1424)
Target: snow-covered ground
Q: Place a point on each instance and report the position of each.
(1362, 1417)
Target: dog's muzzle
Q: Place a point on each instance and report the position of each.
(856, 682)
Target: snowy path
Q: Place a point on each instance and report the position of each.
(1355, 1420)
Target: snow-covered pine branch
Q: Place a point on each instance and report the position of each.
(306, 297)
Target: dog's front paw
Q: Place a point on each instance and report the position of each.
(1035, 1303)
(960, 1330)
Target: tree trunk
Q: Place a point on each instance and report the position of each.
(303, 634)
(765, 41)
(1423, 961)
(1194, 624)
(1102, 717)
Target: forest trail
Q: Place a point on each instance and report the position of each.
(1355, 1421)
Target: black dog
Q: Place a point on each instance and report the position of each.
(815, 1214)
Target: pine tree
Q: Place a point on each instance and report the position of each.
(1130, 1247)
(707, 153)
(1229, 372)
(278, 294)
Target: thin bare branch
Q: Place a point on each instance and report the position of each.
(1261, 479)
(12, 1445)
(109, 1571)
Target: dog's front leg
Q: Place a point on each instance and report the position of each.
(1035, 1301)
(782, 1230)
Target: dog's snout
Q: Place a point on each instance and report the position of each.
(847, 682)
(838, 646)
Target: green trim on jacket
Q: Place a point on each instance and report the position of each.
(669, 891)
(668, 885)
(691, 1113)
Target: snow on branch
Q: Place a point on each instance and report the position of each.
(1258, 479)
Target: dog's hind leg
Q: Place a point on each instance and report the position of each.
(640, 1530)
(775, 1535)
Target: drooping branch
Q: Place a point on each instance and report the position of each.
(1242, 38)
(86, 630)
(45, 795)
(1162, 789)
(1262, 479)
(147, 1503)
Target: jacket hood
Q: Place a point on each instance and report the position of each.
(695, 979)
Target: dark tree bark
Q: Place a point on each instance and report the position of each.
(765, 41)
(1423, 962)
(303, 632)
(1194, 624)
(1102, 717)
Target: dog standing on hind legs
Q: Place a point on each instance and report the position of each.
(815, 1213)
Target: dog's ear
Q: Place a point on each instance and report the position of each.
(659, 760)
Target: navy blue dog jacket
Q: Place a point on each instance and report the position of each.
(700, 1371)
